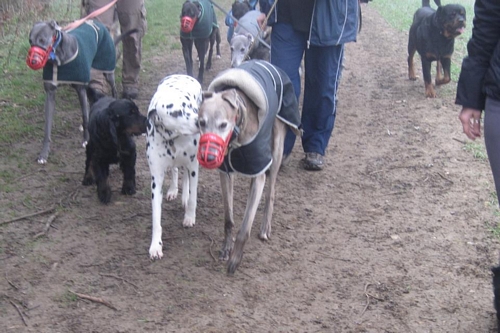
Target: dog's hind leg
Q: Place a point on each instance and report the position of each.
(110, 78)
(256, 188)
(227, 184)
(190, 194)
(279, 133)
(50, 106)
(81, 90)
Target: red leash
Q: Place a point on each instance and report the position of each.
(95, 13)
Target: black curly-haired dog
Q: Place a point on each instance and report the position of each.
(112, 124)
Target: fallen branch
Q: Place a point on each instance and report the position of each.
(47, 226)
(119, 278)
(368, 296)
(462, 142)
(28, 216)
(94, 299)
(10, 282)
(19, 311)
(210, 248)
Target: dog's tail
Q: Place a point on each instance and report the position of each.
(94, 95)
(118, 39)
(427, 3)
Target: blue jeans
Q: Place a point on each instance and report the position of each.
(323, 66)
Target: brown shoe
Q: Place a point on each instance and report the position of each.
(130, 93)
(313, 162)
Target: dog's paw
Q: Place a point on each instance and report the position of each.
(156, 251)
(218, 56)
(172, 194)
(84, 144)
(128, 190)
(87, 181)
(188, 222)
(42, 160)
(104, 195)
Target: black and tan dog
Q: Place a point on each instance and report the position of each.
(112, 124)
(199, 27)
(432, 35)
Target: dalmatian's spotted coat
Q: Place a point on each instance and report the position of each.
(172, 143)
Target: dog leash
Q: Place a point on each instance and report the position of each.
(95, 13)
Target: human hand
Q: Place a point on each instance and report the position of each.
(471, 122)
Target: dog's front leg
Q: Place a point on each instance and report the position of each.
(187, 52)
(84, 105)
(157, 178)
(101, 174)
(279, 133)
(426, 71)
(446, 65)
(50, 105)
(226, 183)
(189, 198)
(127, 165)
(256, 188)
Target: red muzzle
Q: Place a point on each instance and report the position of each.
(37, 57)
(212, 150)
(187, 23)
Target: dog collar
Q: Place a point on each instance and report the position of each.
(57, 40)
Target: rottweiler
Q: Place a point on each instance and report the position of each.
(432, 35)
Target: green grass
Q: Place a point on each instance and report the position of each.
(477, 149)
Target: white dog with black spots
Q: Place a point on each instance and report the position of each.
(172, 143)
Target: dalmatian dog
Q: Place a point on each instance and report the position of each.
(172, 143)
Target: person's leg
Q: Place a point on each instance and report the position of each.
(132, 15)
(323, 67)
(287, 50)
(97, 79)
(492, 138)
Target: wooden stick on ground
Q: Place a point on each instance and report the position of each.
(29, 215)
(94, 299)
(119, 278)
(47, 226)
(19, 311)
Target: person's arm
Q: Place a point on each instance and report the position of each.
(481, 46)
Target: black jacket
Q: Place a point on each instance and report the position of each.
(480, 75)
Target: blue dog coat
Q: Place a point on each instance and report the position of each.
(272, 91)
(206, 22)
(96, 49)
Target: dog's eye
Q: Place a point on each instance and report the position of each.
(242, 49)
(202, 123)
(223, 126)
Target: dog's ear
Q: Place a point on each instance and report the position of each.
(231, 97)
(206, 94)
(250, 37)
(53, 24)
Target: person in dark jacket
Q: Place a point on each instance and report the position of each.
(316, 30)
(479, 82)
